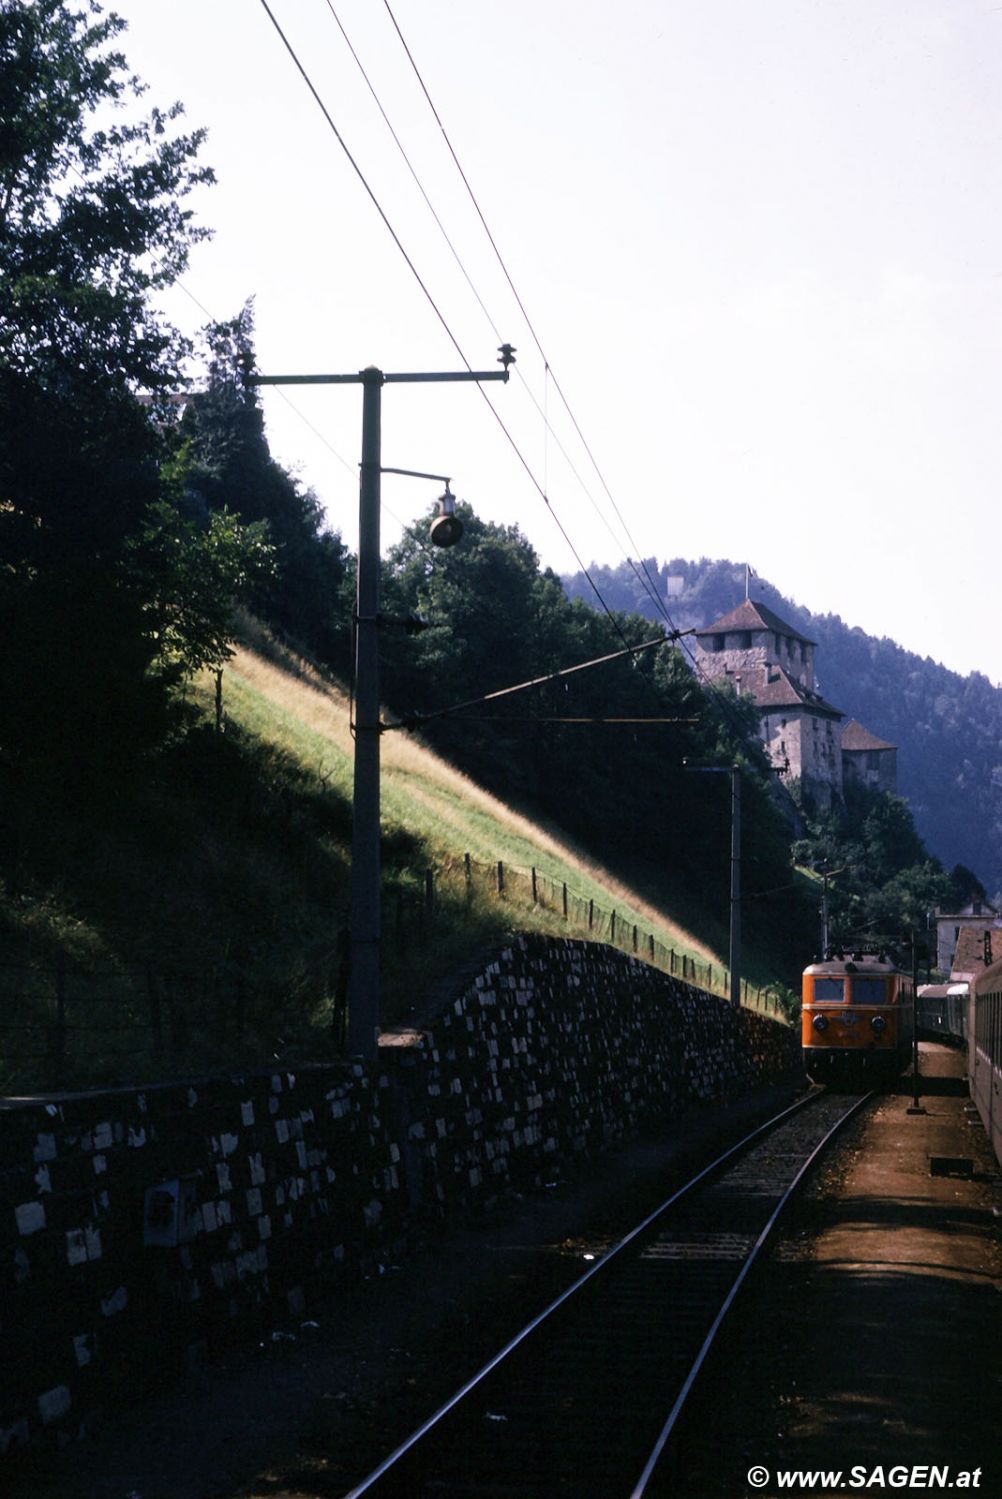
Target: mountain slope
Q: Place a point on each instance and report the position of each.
(948, 728)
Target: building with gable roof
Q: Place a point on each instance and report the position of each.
(768, 660)
(867, 759)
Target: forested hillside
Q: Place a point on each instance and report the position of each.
(948, 728)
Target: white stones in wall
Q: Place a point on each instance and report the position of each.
(247, 1112)
(45, 1147)
(254, 1202)
(54, 1405)
(264, 1227)
(137, 1138)
(100, 1164)
(282, 1131)
(112, 1305)
(228, 1144)
(223, 1177)
(83, 1347)
(104, 1136)
(30, 1217)
(42, 1179)
(257, 1171)
(83, 1244)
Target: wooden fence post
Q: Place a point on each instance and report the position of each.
(565, 900)
(650, 944)
(612, 928)
(591, 914)
(500, 878)
(535, 892)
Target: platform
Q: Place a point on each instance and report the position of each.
(876, 1343)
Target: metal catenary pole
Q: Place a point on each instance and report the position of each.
(735, 934)
(363, 981)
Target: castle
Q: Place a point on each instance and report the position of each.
(766, 659)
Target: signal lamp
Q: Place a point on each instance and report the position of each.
(446, 528)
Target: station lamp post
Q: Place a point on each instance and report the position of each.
(734, 771)
(366, 875)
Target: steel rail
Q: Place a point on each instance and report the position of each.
(368, 1483)
(641, 1485)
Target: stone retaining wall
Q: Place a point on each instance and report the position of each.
(143, 1229)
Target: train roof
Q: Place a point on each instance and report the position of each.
(853, 963)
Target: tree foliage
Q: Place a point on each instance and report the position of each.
(494, 619)
(104, 594)
(231, 469)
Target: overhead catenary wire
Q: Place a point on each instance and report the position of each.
(541, 409)
(646, 581)
(648, 584)
(437, 310)
(412, 720)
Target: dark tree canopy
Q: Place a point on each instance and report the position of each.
(230, 467)
(93, 221)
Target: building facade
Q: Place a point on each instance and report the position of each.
(765, 658)
(868, 760)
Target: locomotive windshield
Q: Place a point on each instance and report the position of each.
(870, 991)
(832, 990)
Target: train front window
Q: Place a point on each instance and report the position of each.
(829, 991)
(869, 991)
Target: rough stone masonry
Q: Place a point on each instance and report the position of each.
(143, 1229)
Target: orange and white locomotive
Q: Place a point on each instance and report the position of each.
(857, 1019)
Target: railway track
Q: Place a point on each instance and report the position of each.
(584, 1400)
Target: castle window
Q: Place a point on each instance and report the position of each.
(744, 640)
(719, 641)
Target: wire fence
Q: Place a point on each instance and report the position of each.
(531, 888)
(66, 1023)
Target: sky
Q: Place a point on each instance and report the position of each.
(752, 245)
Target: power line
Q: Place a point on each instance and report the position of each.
(437, 310)
(647, 582)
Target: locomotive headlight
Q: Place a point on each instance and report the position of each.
(820, 1022)
(879, 1024)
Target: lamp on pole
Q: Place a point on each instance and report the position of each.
(734, 959)
(363, 978)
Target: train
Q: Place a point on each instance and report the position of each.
(857, 1017)
(970, 1015)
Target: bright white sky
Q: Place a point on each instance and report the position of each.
(759, 242)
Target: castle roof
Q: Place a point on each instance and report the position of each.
(855, 737)
(750, 615)
(770, 687)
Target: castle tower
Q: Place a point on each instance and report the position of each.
(766, 659)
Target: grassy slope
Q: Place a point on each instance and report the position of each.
(196, 917)
(423, 795)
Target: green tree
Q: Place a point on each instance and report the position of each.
(305, 594)
(93, 221)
